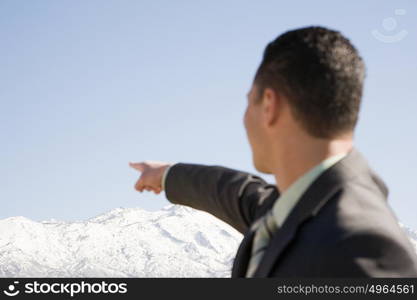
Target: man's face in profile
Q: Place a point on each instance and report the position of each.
(255, 133)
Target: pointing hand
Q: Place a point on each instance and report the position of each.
(151, 177)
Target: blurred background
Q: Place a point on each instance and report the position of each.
(87, 86)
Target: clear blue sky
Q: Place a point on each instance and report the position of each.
(87, 86)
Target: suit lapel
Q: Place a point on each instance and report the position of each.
(241, 261)
(316, 196)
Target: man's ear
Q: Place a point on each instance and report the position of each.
(271, 106)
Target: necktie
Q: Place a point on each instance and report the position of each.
(265, 228)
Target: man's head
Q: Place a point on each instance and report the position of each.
(310, 80)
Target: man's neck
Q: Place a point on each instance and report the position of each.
(296, 159)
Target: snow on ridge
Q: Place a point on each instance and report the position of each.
(412, 234)
(124, 242)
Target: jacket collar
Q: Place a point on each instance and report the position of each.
(315, 197)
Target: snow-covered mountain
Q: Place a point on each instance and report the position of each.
(176, 241)
(412, 234)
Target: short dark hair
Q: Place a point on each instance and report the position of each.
(321, 74)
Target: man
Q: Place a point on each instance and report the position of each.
(328, 215)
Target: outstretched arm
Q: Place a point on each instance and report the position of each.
(228, 194)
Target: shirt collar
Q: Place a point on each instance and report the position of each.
(285, 203)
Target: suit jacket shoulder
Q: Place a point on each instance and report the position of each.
(342, 227)
(356, 234)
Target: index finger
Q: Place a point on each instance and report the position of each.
(137, 166)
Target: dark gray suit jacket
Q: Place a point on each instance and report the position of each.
(341, 227)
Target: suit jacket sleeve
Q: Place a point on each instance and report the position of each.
(228, 194)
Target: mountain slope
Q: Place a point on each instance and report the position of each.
(412, 234)
(176, 241)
